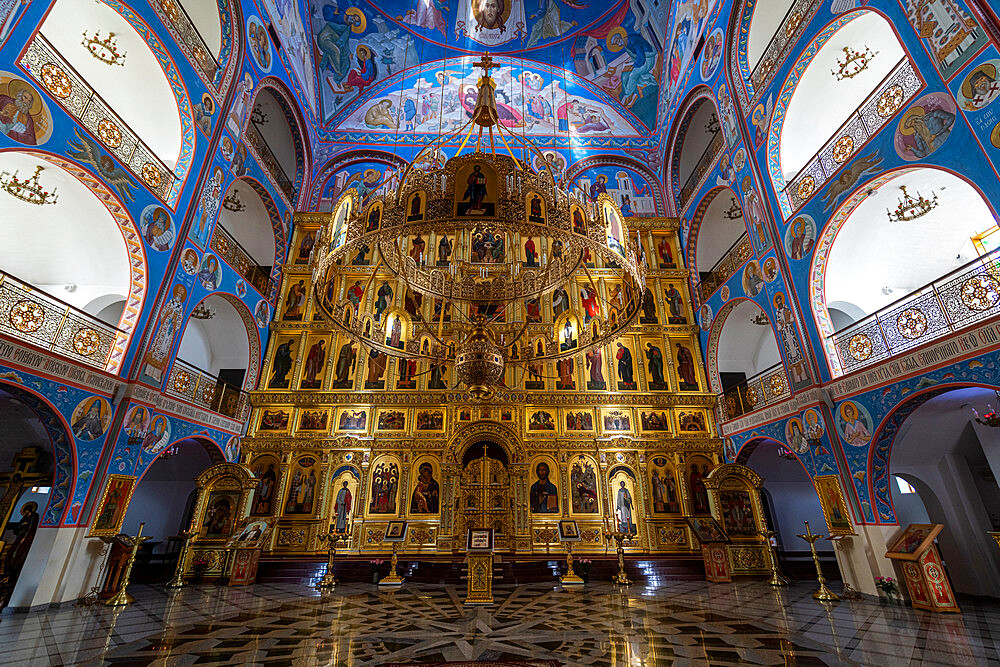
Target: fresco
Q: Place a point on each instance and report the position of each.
(440, 98)
(617, 50)
(287, 20)
(630, 190)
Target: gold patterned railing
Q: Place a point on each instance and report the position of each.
(230, 250)
(896, 89)
(767, 387)
(734, 258)
(701, 169)
(188, 37)
(72, 92)
(43, 320)
(270, 162)
(194, 385)
(965, 296)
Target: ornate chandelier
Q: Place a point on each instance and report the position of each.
(505, 236)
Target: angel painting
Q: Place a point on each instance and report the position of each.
(870, 164)
(87, 151)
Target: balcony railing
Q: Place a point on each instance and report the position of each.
(194, 385)
(734, 258)
(797, 17)
(701, 169)
(230, 250)
(271, 164)
(896, 89)
(43, 320)
(965, 296)
(189, 37)
(767, 387)
(75, 95)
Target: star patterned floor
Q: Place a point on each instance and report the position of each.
(653, 623)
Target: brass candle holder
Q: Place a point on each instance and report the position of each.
(332, 539)
(178, 580)
(392, 579)
(776, 578)
(121, 598)
(571, 578)
(621, 578)
(824, 594)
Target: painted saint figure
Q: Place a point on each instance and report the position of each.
(282, 365)
(626, 377)
(543, 494)
(342, 508)
(685, 369)
(314, 365)
(426, 494)
(623, 508)
(654, 357)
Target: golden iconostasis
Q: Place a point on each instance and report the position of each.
(345, 438)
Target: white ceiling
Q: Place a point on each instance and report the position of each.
(204, 14)
(870, 252)
(934, 430)
(74, 241)
(820, 103)
(745, 347)
(717, 234)
(251, 227)
(138, 91)
(764, 22)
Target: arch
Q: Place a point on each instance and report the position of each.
(216, 65)
(741, 306)
(691, 108)
(652, 179)
(803, 166)
(223, 330)
(252, 221)
(211, 447)
(499, 434)
(135, 252)
(706, 250)
(343, 161)
(64, 473)
(873, 196)
(884, 437)
(298, 131)
(146, 66)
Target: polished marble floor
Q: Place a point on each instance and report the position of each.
(655, 623)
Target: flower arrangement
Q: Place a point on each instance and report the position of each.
(887, 585)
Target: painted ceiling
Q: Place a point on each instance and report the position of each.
(572, 73)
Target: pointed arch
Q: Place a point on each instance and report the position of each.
(684, 173)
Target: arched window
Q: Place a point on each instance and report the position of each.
(697, 147)
(744, 360)
(95, 60)
(895, 268)
(854, 77)
(74, 270)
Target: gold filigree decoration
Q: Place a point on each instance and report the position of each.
(806, 186)
(56, 80)
(860, 346)
(26, 316)
(752, 396)
(151, 174)
(912, 323)
(86, 341)
(980, 293)
(109, 133)
(777, 385)
(843, 149)
(890, 100)
(182, 381)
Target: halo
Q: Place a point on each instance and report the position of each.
(17, 85)
(987, 68)
(843, 411)
(211, 103)
(910, 113)
(354, 11)
(612, 46)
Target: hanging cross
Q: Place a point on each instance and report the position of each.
(486, 62)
